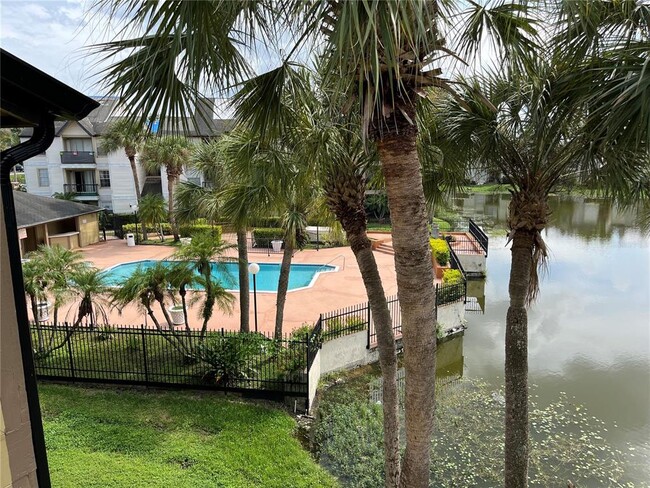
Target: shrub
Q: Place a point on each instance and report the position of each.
(440, 251)
(337, 327)
(268, 222)
(263, 236)
(151, 228)
(451, 276)
(230, 356)
(188, 230)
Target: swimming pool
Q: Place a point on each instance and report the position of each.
(301, 275)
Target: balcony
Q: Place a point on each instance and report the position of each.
(77, 157)
(81, 189)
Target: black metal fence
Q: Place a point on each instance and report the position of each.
(263, 246)
(344, 321)
(447, 293)
(396, 321)
(251, 364)
(480, 236)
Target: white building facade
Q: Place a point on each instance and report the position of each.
(75, 163)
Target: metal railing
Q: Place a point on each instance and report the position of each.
(256, 365)
(77, 157)
(263, 246)
(81, 188)
(447, 293)
(396, 321)
(480, 236)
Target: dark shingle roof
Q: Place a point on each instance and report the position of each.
(34, 209)
(203, 125)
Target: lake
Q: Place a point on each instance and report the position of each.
(589, 330)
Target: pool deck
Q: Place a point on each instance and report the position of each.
(331, 290)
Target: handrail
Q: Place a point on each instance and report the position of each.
(334, 259)
(480, 236)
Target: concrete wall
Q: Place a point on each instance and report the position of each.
(347, 352)
(314, 378)
(473, 263)
(17, 464)
(451, 315)
(88, 226)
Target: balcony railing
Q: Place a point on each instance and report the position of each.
(76, 157)
(81, 189)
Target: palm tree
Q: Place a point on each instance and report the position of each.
(89, 286)
(130, 136)
(152, 212)
(57, 265)
(524, 126)
(170, 153)
(205, 202)
(200, 252)
(269, 178)
(147, 287)
(379, 53)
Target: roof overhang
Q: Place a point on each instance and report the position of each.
(27, 94)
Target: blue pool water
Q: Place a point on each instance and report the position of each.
(227, 274)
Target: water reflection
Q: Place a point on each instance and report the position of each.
(590, 328)
(588, 218)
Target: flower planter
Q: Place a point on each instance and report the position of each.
(277, 245)
(438, 268)
(177, 315)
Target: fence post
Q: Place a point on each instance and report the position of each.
(368, 328)
(70, 352)
(144, 353)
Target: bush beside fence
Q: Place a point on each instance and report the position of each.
(222, 360)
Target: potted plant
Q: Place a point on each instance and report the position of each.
(440, 255)
(177, 314)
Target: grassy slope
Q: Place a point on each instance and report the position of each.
(113, 438)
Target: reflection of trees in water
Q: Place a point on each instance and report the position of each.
(588, 218)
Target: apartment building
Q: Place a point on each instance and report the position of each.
(75, 162)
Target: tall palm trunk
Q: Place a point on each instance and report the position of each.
(244, 287)
(134, 171)
(516, 364)
(362, 249)
(345, 197)
(401, 169)
(283, 285)
(527, 217)
(171, 184)
(209, 300)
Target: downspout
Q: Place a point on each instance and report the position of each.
(41, 139)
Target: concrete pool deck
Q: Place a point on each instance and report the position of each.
(331, 290)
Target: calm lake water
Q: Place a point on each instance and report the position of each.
(589, 330)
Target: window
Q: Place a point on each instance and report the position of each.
(195, 180)
(79, 144)
(43, 178)
(104, 179)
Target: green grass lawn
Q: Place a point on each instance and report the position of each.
(125, 438)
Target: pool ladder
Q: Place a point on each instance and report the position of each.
(334, 259)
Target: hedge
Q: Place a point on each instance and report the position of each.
(262, 237)
(440, 250)
(188, 230)
(268, 222)
(452, 276)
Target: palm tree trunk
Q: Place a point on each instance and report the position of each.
(171, 183)
(401, 168)
(362, 249)
(516, 364)
(283, 286)
(136, 180)
(244, 287)
(209, 301)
